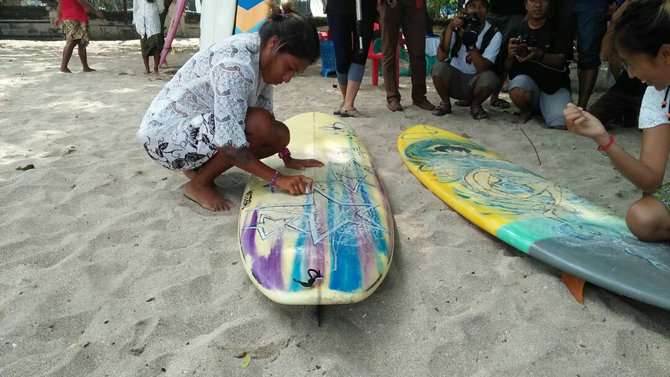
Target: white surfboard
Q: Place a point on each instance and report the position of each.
(217, 21)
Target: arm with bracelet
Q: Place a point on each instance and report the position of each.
(647, 172)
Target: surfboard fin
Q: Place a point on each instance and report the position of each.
(575, 286)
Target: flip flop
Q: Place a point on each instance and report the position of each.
(478, 113)
(442, 109)
(500, 103)
(351, 113)
(338, 111)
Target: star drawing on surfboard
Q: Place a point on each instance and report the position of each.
(360, 215)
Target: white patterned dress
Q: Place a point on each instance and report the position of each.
(205, 104)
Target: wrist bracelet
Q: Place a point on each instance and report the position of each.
(284, 153)
(273, 183)
(602, 148)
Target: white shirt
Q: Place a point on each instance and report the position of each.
(223, 80)
(146, 17)
(651, 112)
(490, 54)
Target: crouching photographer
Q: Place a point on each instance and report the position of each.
(536, 62)
(468, 48)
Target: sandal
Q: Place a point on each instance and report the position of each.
(338, 110)
(442, 109)
(462, 103)
(500, 103)
(351, 113)
(478, 113)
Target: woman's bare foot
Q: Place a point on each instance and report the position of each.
(88, 69)
(207, 197)
(147, 71)
(523, 118)
(65, 70)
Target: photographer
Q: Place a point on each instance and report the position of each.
(536, 61)
(473, 45)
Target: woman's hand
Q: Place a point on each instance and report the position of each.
(300, 164)
(583, 123)
(294, 184)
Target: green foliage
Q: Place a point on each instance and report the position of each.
(439, 9)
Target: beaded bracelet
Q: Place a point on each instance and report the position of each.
(273, 183)
(602, 148)
(284, 153)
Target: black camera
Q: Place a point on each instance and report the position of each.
(471, 24)
(523, 43)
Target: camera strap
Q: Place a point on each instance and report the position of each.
(486, 40)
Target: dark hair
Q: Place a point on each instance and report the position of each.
(644, 27)
(297, 35)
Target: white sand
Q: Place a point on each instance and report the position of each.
(98, 246)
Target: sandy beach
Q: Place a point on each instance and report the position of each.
(107, 270)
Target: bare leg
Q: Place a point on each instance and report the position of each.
(480, 94)
(442, 89)
(350, 94)
(84, 59)
(649, 220)
(145, 60)
(265, 135)
(524, 101)
(67, 54)
(587, 81)
(157, 59)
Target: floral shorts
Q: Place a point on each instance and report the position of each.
(186, 148)
(663, 194)
(76, 30)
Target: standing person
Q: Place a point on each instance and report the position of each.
(216, 112)
(410, 15)
(642, 38)
(350, 59)
(505, 15)
(146, 18)
(536, 62)
(72, 14)
(590, 19)
(622, 101)
(473, 45)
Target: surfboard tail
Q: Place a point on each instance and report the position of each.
(172, 30)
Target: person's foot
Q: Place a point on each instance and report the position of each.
(88, 69)
(424, 104)
(522, 118)
(478, 113)
(65, 70)
(499, 103)
(443, 109)
(394, 105)
(351, 113)
(207, 197)
(338, 110)
(147, 71)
